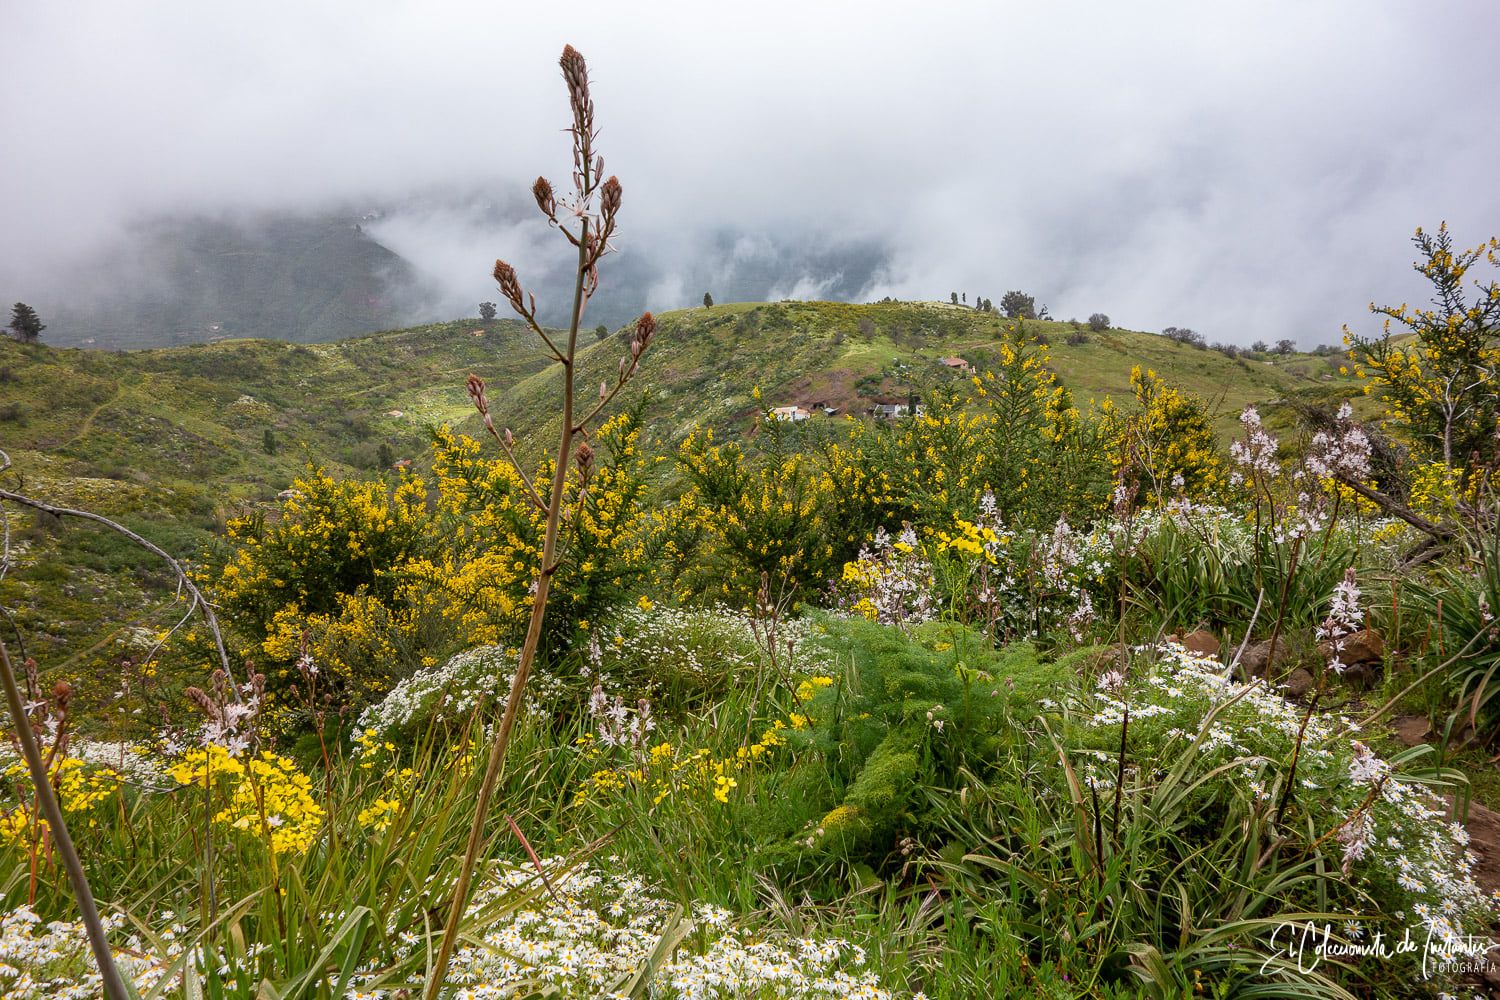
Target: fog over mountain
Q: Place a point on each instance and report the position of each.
(1251, 170)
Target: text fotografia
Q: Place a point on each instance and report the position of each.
(1310, 945)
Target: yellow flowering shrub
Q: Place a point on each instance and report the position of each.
(372, 580)
(1011, 431)
(81, 788)
(765, 514)
(803, 516)
(1167, 448)
(666, 771)
(1437, 491)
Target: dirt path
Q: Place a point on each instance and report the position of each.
(88, 421)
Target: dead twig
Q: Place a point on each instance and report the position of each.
(185, 582)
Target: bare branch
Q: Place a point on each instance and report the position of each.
(184, 581)
(1442, 532)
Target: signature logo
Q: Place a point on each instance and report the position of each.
(1309, 946)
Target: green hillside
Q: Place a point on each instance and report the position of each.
(705, 362)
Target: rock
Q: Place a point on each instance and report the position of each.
(1299, 683)
(1199, 642)
(1412, 729)
(1483, 826)
(1261, 660)
(1490, 973)
(1365, 646)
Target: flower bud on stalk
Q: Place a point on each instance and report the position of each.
(476, 393)
(609, 201)
(205, 703)
(585, 458)
(576, 76)
(645, 327)
(545, 200)
(510, 286)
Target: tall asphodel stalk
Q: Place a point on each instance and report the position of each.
(587, 220)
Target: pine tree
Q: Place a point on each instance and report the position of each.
(25, 324)
(708, 301)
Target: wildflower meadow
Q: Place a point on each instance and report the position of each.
(1015, 693)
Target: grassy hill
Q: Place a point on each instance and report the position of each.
(196, 417)
(704, 363)
(172, 441)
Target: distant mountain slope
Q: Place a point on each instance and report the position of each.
(181, 281)
(197, 416)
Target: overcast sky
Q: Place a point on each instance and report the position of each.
(1250, 170)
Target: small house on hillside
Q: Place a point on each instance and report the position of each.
(795, 414)
(956, 364)
(887, 408)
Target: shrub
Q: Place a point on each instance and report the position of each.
(450, 695)
(1098, 322)
(1168, 447)
(1182, 334)
(760, 516)
(1440, 384)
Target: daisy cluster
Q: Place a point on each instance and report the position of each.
(586, 939)
(1399, 848)
(452, 691)
(135, 763)
(690, 643)
(589, 939)
(52, 961)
